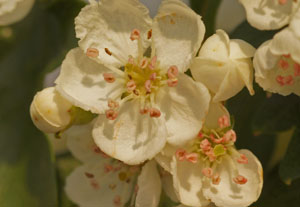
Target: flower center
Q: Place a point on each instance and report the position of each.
(288, 72)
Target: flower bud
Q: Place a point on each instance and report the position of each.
(49, 111)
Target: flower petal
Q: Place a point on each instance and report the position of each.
(164, 158)
(216, 110)
(228, 193)
(149, 186)
(90, 185)
(108, 24)
(81, 82)
(80, 142)
(132, 137)
(187, 178)
(168, 187)
(185, 107)
(267, 14)
(177, 34)
(241, 49)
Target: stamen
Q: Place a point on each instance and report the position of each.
(153, 63)
(207, 172)
(283, 64)
(289, 80)
(135, 35)
(144, 111)
(216, 179)
(243, 159)
(224, 121)
(152, 76)
(211, 155)
(230, 136)
(148, 85)
(92, 52)
(172, 82)
(111, 114)
(149, 34)
(108, 51)
(117, 200)
(144, 63)
(89, 175)
(108, 168)
(172, 72)
(154, 112)
(200, 135)
(180, 154)
(131, 60)
(240, 180)
(192, 157)
(205, 145)
(282, 2)
(112, 104)
(109, 77)
(297, 69)
(131, 86)
(280, 80)
(95, 184)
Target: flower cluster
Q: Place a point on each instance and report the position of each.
(124, 103)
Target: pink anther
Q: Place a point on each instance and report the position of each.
(223, 121)
(180, 154)
(131, 60)
(289, 80)
(135, 35)
(148, 86)
(205, 145)
(297, 69)
(207, 172)
(172, 82)
(144, 111)
(172, 72)
(211, 155)
(230, 135)
(243, 159)
(280, 80)
(108, 168)
(144, 63)
(282, 2)
(240, 180)
(111, 114)
(117, 200)
(153, 76)
(154, 112)
(217, 141)
(112, 104)
(92, 52)
(153, 63)
(192, 157)
(200, 135)
(283, 64)
(131, 86)
(216, 179)
(108, 77)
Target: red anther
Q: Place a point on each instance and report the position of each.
(144, 63)
(207, 172)
(172, 71)
(289, 80)
(108, 168)
(113, 104)
(89, 175)
(287, 56)
(223, 121)
(205, 145)
(283, 64)
(149, 35)
(282, 2)
(180, 154)
(92, 52)
(131, 86)
(192, 157)
(144, 111)
(243, 159)
(172, 82)
(154, 112)
(230, 136)
(152, 76)
(108, 77)
(217, 141)
(200, 135)
(111, 114)
(240, 180)
(297, 69)
(148, 86)
(135, 34)
(153, 63)
(280, 80)
(216, 179)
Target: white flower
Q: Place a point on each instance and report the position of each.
(145, 100)
(269, 14)
(277, 61)
(104, 181)
(12, 11)
(49, 111)
(209, 168)
(224, 66)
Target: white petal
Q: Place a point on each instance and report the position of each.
(91, 186)
(185, 107)
(149, 186)
(80, 142)
(267, 14)
(187, 178)
(216, 110)
(216, 47)
(228, 193)
(295, 22)
(241, 49)
(168, 186)
(132, 137)
(81, 82)
(12, 11)
(164, 158)
(177, 34)
(109, 25)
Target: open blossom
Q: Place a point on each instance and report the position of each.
(12, 11)
(210, 169)
(142, 101)
(277, 61)
(224, 66)
(104, 181)
(269, 14)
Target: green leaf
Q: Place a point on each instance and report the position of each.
(289, 169)
(276, 114)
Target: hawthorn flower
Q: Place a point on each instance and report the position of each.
(277, 61)
(269, 14)
(224, 66)
(210, 169)
(12, 11)
(104, 181)
(141, 100)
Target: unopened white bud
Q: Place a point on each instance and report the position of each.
(49, 111)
